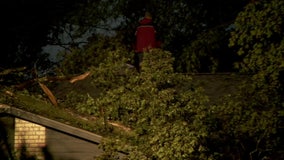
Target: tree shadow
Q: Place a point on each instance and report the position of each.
(5, 147)
(46, 153)
(7, 152)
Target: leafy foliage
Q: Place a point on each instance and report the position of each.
(97, 50)
(258, 38)
(169, 117)
(169, 121)
(208, 53)
(180, 25)
(161, 107)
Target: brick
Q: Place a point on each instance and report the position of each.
(33, 135)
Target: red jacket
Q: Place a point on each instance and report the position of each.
(145, 35)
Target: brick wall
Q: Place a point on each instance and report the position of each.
(30, 135)
(60, 141)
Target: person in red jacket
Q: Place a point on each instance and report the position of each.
(145, 39)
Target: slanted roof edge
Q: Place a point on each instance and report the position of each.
(76, 132)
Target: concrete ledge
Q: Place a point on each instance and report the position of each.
(61, 127)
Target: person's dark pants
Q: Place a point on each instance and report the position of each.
(138, 57)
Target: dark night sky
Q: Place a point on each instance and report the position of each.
(27, 22)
